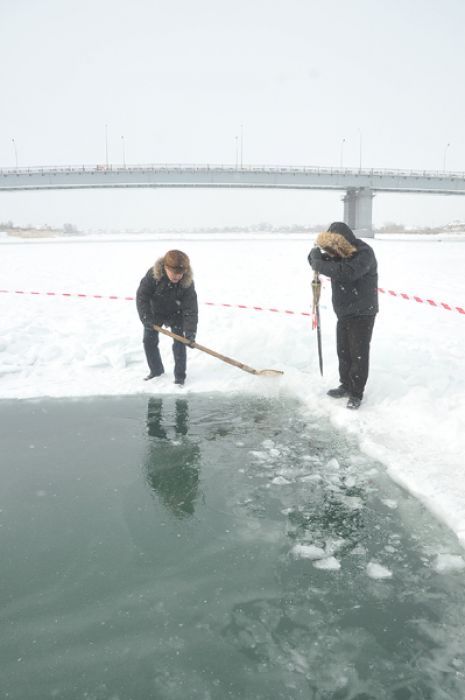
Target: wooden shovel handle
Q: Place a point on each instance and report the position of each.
(197, 346)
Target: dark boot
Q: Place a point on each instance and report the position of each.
(151, 375)
(354, 403)
(339, 393)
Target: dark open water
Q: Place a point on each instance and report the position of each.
(159, 549)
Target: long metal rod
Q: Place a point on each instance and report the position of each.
(316, 322)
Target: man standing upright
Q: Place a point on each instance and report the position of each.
(351, 265)
(167, 296)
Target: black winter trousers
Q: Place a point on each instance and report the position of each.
(353, 336)
(152, 353)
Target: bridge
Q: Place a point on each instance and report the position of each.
(359, 185)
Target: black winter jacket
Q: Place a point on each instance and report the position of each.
(353, 271)
(161, 302)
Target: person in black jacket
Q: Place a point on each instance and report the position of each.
(167, 296)
(351, 265)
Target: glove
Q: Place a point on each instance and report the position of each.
(190, 336)
(314, 258)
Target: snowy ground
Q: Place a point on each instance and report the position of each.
(413, 415)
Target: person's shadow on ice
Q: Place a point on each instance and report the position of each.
(172, 461)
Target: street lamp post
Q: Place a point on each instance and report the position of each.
(124, 152)
(360, 148)
(16, 151)
(342, 151)
(444, 159)
(106, 145)
(242, 142)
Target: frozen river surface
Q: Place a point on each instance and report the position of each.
(209, 547)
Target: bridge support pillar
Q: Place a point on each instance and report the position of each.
(358, 210)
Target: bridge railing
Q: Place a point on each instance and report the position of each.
(173, 167)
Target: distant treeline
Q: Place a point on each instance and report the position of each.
(266, 227)
(31, 231)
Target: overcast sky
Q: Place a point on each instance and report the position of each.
(297, 82)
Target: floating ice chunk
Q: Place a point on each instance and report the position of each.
(262, 456)
(389, 503)
(377, 571)
(308, 551)
(268, 444)
(329, 563)
(448, 562)
(280, 481)
(333, 462)
(299, 661)
(389, 548)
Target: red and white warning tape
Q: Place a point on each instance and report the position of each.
(390, 292)
(431, 302)
(259, 308)
(113, 296)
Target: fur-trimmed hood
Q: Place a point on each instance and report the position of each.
(158, 272)
(335, 244)
(338, 240)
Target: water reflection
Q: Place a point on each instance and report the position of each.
(172, 459)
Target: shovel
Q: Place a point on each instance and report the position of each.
(229, 360)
